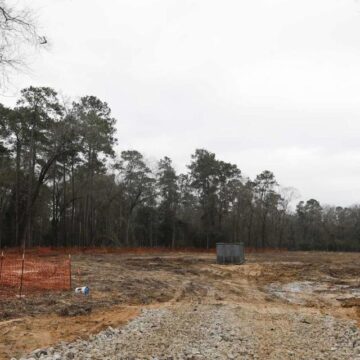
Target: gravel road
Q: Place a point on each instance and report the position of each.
(217, 331)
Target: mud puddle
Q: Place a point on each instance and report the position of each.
(306, 292)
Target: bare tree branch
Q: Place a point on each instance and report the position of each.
(18, 37)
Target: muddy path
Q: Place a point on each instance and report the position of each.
(268, 288)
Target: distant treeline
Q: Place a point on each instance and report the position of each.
(61, 184)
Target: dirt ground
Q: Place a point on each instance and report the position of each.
(270, 285)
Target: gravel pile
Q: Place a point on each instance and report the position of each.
(215, 332)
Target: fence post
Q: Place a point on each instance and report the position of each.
(70, 282)
(1, 264)
(22, 273)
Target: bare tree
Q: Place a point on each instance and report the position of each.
(18, 35)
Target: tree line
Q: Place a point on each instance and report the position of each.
(62, 184)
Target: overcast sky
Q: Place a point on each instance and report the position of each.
(263, 84)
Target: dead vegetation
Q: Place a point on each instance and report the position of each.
(122, 284)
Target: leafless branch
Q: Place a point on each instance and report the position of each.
(18, 35)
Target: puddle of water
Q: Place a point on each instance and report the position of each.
(301, 292)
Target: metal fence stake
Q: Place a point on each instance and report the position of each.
(70, 281)
(22, 274)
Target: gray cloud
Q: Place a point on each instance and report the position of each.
(266, 84)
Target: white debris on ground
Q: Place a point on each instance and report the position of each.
(219, 331)
(301, 292)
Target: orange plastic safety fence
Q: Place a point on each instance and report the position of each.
(20, 276)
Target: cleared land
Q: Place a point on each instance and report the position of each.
(289, 305)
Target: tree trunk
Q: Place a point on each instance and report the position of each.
(64, 204)
(72, 203)
(28, 213)
(17, 191)
(250, 228)
(54, 205)
(263, 230)
(127, 231)
(173, 234)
